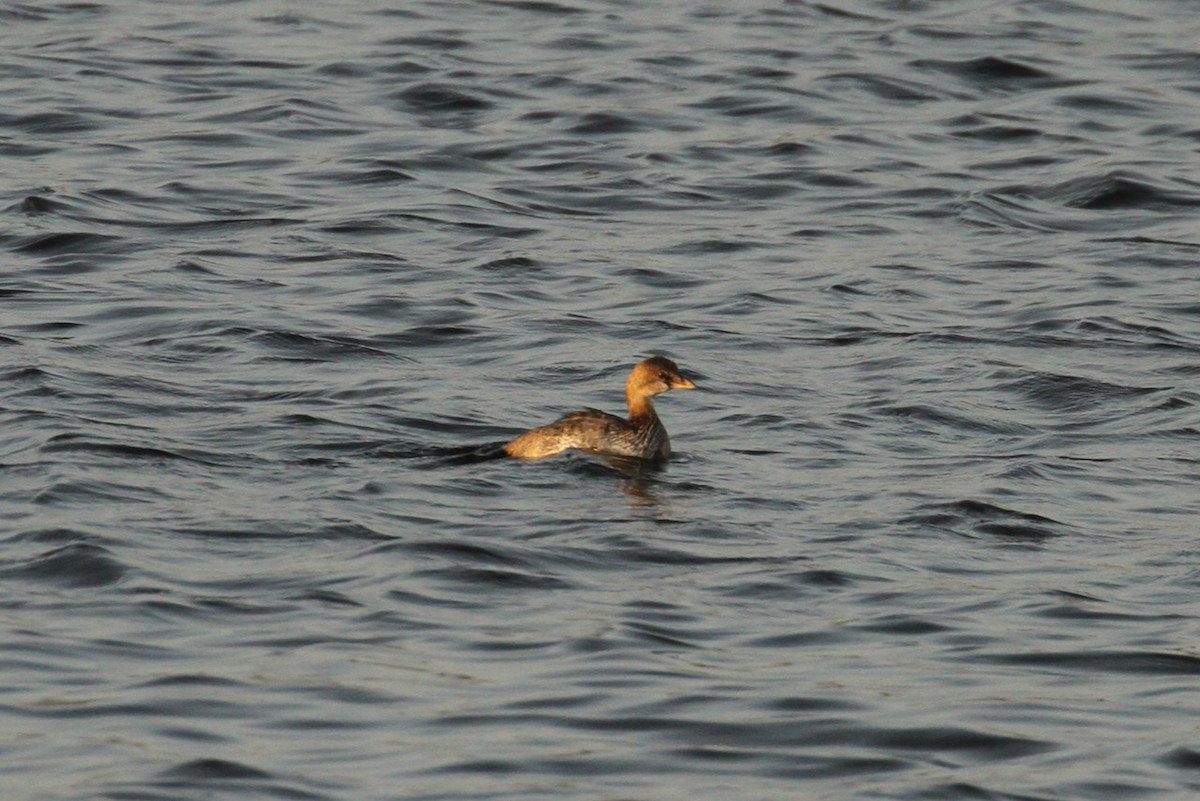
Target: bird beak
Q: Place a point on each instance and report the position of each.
(682, 383)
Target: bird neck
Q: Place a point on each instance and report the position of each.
(639, 404)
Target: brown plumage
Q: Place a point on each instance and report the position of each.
(642, 436)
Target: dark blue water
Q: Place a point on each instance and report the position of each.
(275, 273)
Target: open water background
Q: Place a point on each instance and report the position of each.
(274, 271)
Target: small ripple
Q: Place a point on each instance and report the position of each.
(1182, 758)
(350, 532)
(928, 414)
(983, 518)
(975, 127)
(70, 244)
(1109, 104)
(1122, 190)
(984, 745)
(516, 265)
(1146, 663)
(435, 98)
(74, 443)
(35, 205)
(465, 552)
(369, 172)
(213, 769)
(660, 279)
(48, 123)
(885, 88)
(317, 349)
(489, 580)
(86, 492)
(210, 775)
(604, 123)
(907, 625)
(1045, 206)
(993, 72)
(439, 336)
(1071, 393)
(78, 564)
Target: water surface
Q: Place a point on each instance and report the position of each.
(276, 273)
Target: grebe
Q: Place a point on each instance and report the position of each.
(642, 436)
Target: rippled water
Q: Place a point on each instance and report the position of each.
(276, 274)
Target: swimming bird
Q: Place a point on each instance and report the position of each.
(642, 436)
